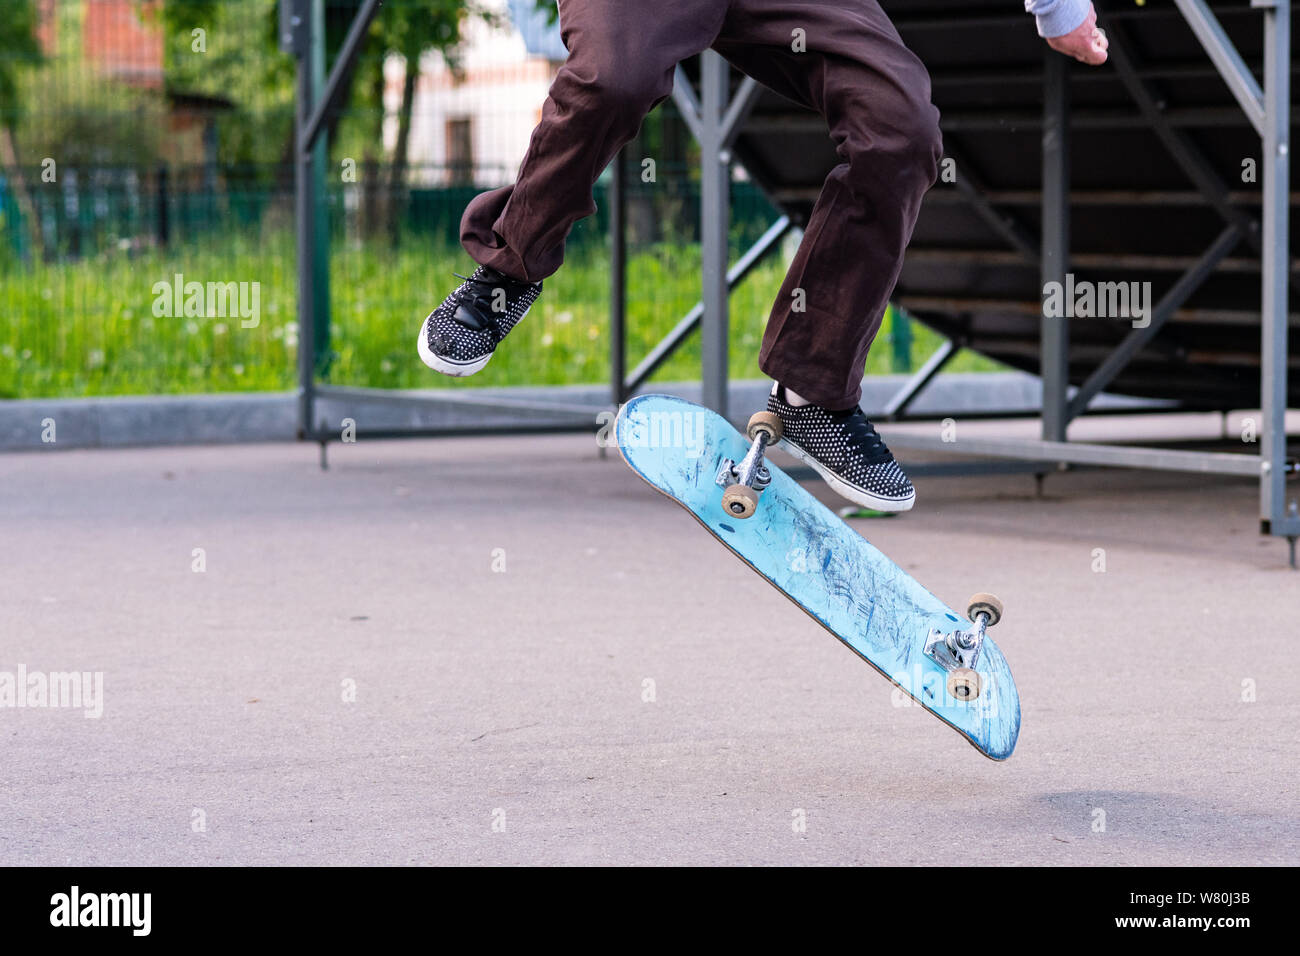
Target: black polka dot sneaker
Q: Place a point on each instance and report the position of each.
(844, 448)
(459, 336)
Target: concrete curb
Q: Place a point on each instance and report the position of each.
(28, 424)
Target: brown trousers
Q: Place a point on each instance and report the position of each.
(855, 71)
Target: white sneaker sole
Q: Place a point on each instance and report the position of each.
(446, 366)
(845, 489)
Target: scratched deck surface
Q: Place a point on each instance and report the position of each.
(822, 564)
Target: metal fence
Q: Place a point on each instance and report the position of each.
(147, 215)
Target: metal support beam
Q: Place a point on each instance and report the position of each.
(715, 122)
(302, 34)
(463, 397)
(1055, 249)
(320, 263)
(1169, 303)
(618, 276)
(715, 214)
(1019, 236)
(1277, 515)
(1241, 82)
(305, 209)
(1184, 151)
(687, 103)
(987, 120)
(756, 253)
(333, 91)
(913, 387)
(1081, 453)
(742, 104)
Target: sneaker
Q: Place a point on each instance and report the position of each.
(845, 449)
(459, 336)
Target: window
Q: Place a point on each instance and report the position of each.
(460, 151)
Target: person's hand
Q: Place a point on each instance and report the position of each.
(1086, 43)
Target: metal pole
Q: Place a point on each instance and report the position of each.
(306, 223)
(714, 217)
(1085, 453)
(1274, 512)
(1055, 256)
(1138, 339)
(1226, 59)
(904, 397)
(320, 264)
(765, 246)
(688, 105)
(618, 277)
(332, 91)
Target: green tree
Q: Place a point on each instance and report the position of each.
(260, 79)
(19, 51)
(552, 9)
(408, 30)
(238, 60)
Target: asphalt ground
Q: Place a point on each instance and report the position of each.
(511, 651)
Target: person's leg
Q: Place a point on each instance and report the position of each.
(875, 95)
(621, 60)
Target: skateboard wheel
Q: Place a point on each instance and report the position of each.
(984, 603)
(964, 684)
(740, 501)
(769, 422)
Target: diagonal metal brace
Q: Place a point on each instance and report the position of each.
(738, 110)
(1184, 152)
(1241, 82)
(912, 388)
(342, 66)
(1016, 234)
(688, 104)
(690, 322)
(1169, 303)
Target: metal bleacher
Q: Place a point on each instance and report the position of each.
(1156, 155)
(1167, 166)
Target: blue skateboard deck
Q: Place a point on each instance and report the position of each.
(820, 563)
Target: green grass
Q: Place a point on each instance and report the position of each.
(89, 328)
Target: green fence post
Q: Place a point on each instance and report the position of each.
(320, 267)
(900, 339)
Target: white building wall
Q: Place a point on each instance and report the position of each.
(501, 93)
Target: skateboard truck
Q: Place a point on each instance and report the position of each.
(958, 651)
(744, 481)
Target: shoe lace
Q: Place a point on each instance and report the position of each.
(862, 434)
(475, 280)
(482, 286)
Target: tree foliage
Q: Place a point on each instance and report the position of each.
(19, 49)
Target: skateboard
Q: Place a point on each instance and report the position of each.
(942, 660)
